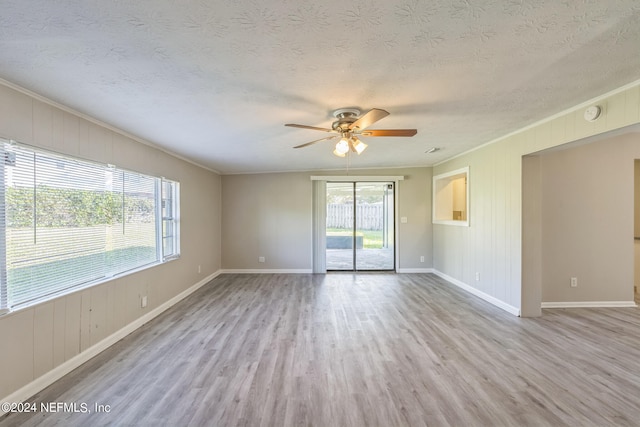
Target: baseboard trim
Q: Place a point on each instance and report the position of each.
(415, 270)
(61, 370)
(589, 304)
(266, 271)
(490, 299)
(306, 271)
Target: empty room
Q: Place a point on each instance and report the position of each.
(400, 213)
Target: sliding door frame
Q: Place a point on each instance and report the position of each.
(319, 216)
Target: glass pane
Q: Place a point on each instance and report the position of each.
(169, 219)
(132, 241)
(55, 224)
(374, 226)
(339, 233)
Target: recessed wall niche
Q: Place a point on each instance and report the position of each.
(451, 198)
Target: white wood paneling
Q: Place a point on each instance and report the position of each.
(514, 221)
(632, 106)
(616, 111)
(85, 319)
(100, 146)
(16, 369)
(59, 329)
(43, 133)
(558, 130)
(57, 129)
(71, 134)
(16, 116)
(43, 338)
(72, 326)
(542, 136)
(98, 330)
(110, 309)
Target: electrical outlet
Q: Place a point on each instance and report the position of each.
(422, 258)
(261, 259)
(143, 301)
(199, 269)
(574, 282)
(477, 276)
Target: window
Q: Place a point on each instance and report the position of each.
(66, 223)
(169, 214)
(451, 198)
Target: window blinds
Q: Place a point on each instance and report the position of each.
(169, 219)
(67, 222)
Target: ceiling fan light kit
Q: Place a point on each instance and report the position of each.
(348, 125)
(342, 148)
(345, 144)
(358, 145)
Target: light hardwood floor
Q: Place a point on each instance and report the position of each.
(358, 350)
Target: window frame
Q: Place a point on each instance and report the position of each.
(174, 218)
(46, 294)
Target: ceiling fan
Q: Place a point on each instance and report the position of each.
(349, 126)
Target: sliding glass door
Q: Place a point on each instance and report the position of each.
(375, 223)
(360, 226)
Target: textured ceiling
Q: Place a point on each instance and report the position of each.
(215, 81)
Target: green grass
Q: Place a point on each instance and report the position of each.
(371, 239)
(62, 257)
(65, 273)
(57, 243)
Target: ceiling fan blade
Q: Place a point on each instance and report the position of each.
(313, 142)
(309, 127)
(369, 118)
(389, 132)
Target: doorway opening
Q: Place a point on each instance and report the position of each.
(360, 226)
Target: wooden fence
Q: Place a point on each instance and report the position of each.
(370, 217)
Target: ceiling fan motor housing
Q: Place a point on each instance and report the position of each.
(345, 117)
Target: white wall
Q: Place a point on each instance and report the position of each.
(492, 245)
(270, 215)
(266, 215)
(588, 220)
(41, 337)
